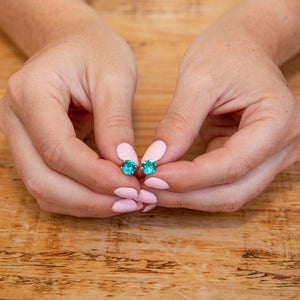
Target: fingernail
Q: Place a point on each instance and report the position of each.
(156, 183)
(125, 192)
(125, 205)
(146, 197)
(155, 151)
(149, 207)
(127, 152)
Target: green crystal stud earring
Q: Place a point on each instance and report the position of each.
(128, 167)
(148, 166)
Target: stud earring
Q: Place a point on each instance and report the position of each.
(128, 167)
(148, 166)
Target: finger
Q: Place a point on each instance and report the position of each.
(182, 122)
(54, 192)
(230, 197)
(44, 114)
(112, 104)
(120, 206)
(261, 134)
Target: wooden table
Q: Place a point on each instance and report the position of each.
(167, 253)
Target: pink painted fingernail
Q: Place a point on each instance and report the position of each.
(156, 183)
(127, 152)
(149, 207)
(125, 205)
(125, 192)
(155, 151)
(146, 197)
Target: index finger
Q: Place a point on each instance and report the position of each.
(261, 135)
(45, 117)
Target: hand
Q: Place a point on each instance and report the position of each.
(231, 90)
(84, 79)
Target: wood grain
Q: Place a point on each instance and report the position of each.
(166, 253)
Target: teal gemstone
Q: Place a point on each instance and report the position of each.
(148, 166)
(128, 167)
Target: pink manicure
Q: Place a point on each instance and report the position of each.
(155, 151)
(125, 205)
(146, 197)
(149, 207)
(126, 151)
(125, 192)
(156, 183)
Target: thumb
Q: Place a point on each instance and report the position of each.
(182, 122)
(113, 121)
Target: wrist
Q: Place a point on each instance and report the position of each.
(273, 25)
(32, 24)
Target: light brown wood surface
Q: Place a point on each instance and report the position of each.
(167, 253)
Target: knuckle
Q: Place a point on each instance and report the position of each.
(52, 152)
(181, 201)
(14, 85)
(117, 121)
(175, 121)
(236, 170)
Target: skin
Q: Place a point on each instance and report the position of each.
(229, 88)
(66, 88)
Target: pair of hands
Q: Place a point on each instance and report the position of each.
(229, 89)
